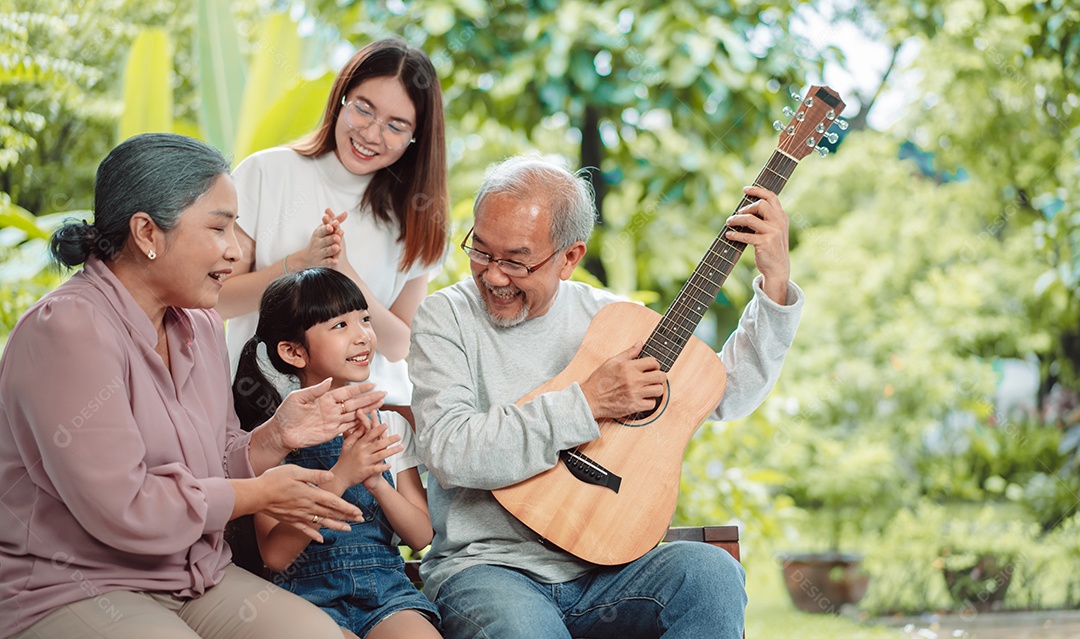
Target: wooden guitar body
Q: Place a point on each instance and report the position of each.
(645, 453)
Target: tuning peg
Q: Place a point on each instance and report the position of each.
(809, 102)
(778, 125)
(795, 95)
(820, 128)
(822, 151)
(842, 124)
(831, 137)
(810, 141)
(800, 116)
(788, 111)
(830, 115)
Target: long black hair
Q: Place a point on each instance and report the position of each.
(290, 305)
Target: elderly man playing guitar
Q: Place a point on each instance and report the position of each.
(542, 427)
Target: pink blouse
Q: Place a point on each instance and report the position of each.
(112, 467)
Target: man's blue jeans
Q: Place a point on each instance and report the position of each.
(681, 590)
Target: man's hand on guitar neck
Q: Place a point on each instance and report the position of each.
(769, 223)
(624, 385)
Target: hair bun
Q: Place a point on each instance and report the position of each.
(73, 242)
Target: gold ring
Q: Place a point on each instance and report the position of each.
(343, 411)
(315, 519)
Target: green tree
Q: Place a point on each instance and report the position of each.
(53, 112)
(913, 289)
(1000, 96)
(917, 281)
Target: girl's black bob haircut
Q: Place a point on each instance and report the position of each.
(303, 299)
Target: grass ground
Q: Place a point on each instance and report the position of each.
(771, 615)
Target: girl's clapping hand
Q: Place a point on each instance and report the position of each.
(364, 453)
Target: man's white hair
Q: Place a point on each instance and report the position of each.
(545, 182)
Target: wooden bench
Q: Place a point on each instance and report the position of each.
(726, 537)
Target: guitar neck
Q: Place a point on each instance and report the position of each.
(670, 336)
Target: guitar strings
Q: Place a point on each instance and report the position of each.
(678, 324)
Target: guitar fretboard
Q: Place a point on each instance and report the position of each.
(670, 336)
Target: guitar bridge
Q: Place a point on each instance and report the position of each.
(588, 471)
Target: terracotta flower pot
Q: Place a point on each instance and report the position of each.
(824, 582)
(981, 585)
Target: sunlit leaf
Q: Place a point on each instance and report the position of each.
(148, 90)
(293, 115)
(438, 20)
(12, 215)
(221, 73)
(274, 68)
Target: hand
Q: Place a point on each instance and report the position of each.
(343, 264)
(624, 385)
(317, 414)
(769, 223)
(290, 497)
(363, 455)
(324, 248)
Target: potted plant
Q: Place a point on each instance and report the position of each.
(847, 488)
(978, 557)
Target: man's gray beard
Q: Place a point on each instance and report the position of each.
(508, 322)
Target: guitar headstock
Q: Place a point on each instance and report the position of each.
(810, 123)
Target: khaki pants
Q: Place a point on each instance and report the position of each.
(242, 606)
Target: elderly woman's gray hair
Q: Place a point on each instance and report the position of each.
(160, 174)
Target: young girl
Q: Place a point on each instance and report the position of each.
(315, 325)
(365, 194)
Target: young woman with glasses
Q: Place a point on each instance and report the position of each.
(365, 194)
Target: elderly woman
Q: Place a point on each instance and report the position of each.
(121, 458)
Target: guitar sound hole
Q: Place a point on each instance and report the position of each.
(646, 417)
(634, 417)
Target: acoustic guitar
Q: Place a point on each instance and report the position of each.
(609, 501)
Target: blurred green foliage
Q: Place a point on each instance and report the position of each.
(985, 461)
(1000, 96)
(907, 558)
(723, 481)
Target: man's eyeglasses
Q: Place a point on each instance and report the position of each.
(510, 267)
(359, 115)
